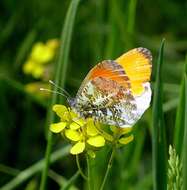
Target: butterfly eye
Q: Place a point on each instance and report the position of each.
(72, 102)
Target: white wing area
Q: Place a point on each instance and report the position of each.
(143, 101)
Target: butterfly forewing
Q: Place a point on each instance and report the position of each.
(114, 94)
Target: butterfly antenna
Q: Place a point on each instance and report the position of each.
(58, 87)
(56, 92)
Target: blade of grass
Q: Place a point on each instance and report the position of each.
(116, 14)
(25, 47)
(180, 119)
(38, 166)
(131, 23)
(70, 182)
(158, 136)
(60, 73)
(185, 131)
(61, 181)
(8, 170)
(131, 16)
(170, 104)
(8, 29)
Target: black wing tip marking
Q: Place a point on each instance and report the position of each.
(145, 52)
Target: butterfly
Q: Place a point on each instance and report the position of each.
(116, 92)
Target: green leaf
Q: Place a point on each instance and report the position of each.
(180, 119)
(158, 136)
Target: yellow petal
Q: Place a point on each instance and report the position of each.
(57, 127)
(52, 43)
(126, 140)
(42, 53)
(96, 141)
(126, 130)
(74, 126)
(121, 130)
(78, 148)
(60, 110)
(113, 128)
(66, 116)
(73, 114)
(91, 129)
(28, 66)
(73, 135)
(38, 71)
(107, 136)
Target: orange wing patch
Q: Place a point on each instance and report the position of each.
(110, 70)
(137, 65)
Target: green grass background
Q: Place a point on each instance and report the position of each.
(93, 30)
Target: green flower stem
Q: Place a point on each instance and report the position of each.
(80, 169)
(60, 76)
(108, 167)
(89, 172)
(47, 159)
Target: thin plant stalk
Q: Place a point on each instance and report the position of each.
(109, 165)
(90, 173)
(80, 169)
(89, 178)
(60, 73)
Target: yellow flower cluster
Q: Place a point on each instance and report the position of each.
(85, 134)
(40, 56)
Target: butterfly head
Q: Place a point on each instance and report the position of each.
(72, 102)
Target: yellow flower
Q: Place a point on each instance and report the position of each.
(84, 134)
(31, 67)
(123, 139)
(28, 67)
(41, 54)
(87, 135)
